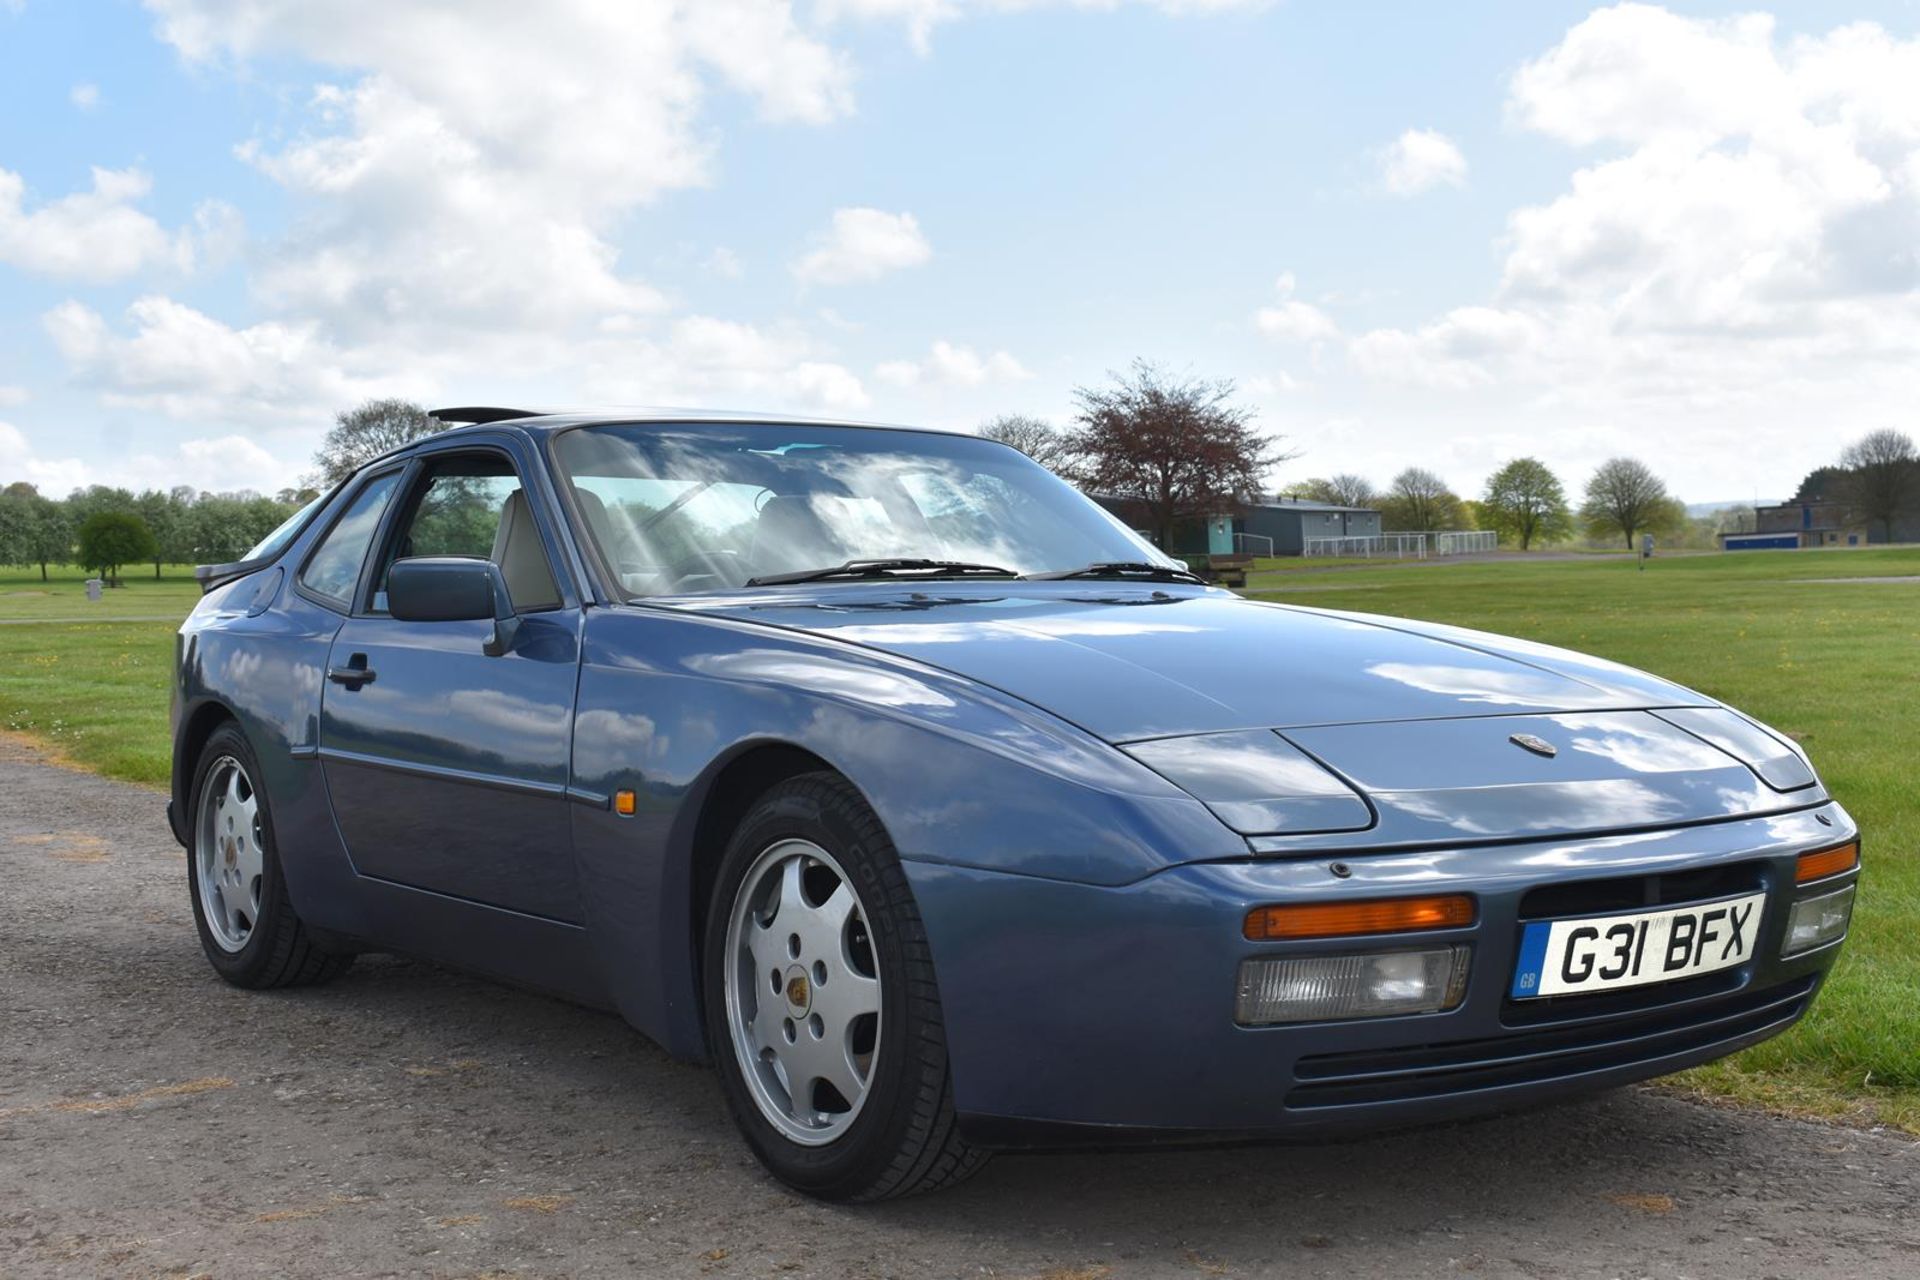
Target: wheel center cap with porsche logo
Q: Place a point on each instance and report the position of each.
(799, 991)
(1539, 746)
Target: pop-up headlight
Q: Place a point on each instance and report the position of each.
(1779, 765)
(1256, 782)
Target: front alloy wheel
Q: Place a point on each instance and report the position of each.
(803, 995)
(821, 1003)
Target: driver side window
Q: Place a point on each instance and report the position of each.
(472, 505)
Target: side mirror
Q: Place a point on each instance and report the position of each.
(453, 589)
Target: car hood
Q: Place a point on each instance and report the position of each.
(1131, 663)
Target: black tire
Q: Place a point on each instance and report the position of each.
(904, 1140)
(280, 950)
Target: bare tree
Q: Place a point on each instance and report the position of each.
(1419, 501)
(1035, 437)
(1624, 497)
(1178, 448)
(362, 434)
(1343, 490)
(1740, 518)
(1883, 477)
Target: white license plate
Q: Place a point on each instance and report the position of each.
(1599, 953)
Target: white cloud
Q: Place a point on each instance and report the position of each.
(95, 235)
(703, 361)
(458, 188)
(863, 244)
(1273, 384)
(1740, 259)
(11, 395)
(220, 464)
(84, 96)
(186, 364)
(725, 263)
(1465, 348)
(920, 17)
(1420, 159)
(1291, 320)
(471, 154)
(951, 365)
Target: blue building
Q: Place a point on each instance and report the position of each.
(1790, 525)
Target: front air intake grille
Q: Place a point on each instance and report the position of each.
(1539, 1056)
(1642, 893)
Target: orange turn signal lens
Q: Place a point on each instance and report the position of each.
(624, 803)
(1827, 862)
(1346, 919)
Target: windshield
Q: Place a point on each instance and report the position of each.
(711, 507)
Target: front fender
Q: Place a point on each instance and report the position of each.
(959, 775)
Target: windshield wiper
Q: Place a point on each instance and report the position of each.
(886, 569)
(1138, 570)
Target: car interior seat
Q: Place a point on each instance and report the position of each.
(790, 536)
(522, 560)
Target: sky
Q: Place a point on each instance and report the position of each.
(1416, 234)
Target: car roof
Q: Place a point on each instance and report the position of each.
(540, 422)
(551, 420)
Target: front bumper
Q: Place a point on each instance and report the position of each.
(1089, 1014)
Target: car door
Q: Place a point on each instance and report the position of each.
(447, 767)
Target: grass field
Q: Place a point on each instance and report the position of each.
(1835, 664)
(96, 692)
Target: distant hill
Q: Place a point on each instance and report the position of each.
(1708, 508)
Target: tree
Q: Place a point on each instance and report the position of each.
(15, 519)
(222, 527)
(1624, 497)
(1343, 490)
(165, 513)
(109, 539)
(1883, 478)
(82, 504)
(1035, 437)
(33, 528)
(1419, 501)
(1524, 500)
(1179, 448)
(1820, 484)
(361, 434)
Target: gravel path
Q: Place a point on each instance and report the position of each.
(411, 1121)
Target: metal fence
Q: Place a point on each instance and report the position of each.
(1460, 544)
(1397, 546)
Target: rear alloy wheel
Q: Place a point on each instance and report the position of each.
(228, 867)
(821, 1002)
(247, 924)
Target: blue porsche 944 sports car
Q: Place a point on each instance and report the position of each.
(942, 813)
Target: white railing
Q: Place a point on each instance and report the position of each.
(1465, 543)
(1399, 546)
(1243, 543)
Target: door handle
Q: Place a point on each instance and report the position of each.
(354, 674)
